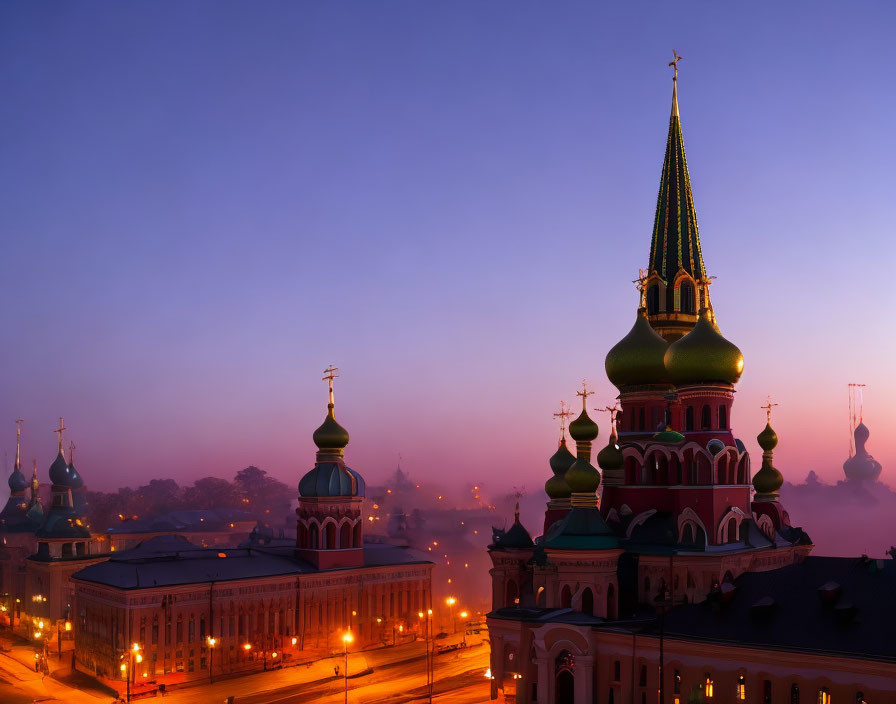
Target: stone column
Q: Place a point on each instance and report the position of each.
(584, 686)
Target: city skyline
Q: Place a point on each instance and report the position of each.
(456, 230)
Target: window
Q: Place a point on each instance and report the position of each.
(723, 417)
(740, 690)
(689, 418)
(642, 678)
(824, 696)
(706, 418)
(860, 698)
(653, 299)
(617, 671)
(687, 298)
(676, 682)
(794, 694)
(707, 686)
(642, 418)
(767, 692)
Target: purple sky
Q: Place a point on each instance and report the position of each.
(204, 204)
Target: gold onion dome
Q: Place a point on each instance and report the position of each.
(582, 477)
(330, 435)
(703, 356)
(637, 359)
(583, 429)
(767, 480)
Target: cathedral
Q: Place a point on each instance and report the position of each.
(671, 572)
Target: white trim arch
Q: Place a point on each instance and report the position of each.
(638, 520)
(689, 517)
(722, 536)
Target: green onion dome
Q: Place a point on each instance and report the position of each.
(583, 429)
(703, 356)
(637, 359)
(330, 435)
(329, 479)
(556, 487)
(668, 437)
(582, 477)
(610, 457)
(767, 480)
(768, 438)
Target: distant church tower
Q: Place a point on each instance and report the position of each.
(329, 529)
(860, 466)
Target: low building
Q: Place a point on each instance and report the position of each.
(196, 612)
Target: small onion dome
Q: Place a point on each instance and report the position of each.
(330, 435)
(668, 437)
(861, 465)
(768, 479)
(557, 488)
(583, 429)
(704, 356)
(637, 359)
(582, 477)
(562, 459)
(610, 457)
(75, 481)
(61, 473)
(17, 482)
(768, 438)
(331, 479)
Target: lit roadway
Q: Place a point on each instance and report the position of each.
(385, 676)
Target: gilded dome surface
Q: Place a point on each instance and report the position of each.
(583, 429)
(582, 477)
(637, 358)
(768, 438)
(703, 356)
(557, 488)
(562, 459)
(330, 435)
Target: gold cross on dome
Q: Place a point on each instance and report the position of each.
(641, 284)
(58, 432)
(674, 64)
(584, 393)
(768, 408)
(329, 375)
(71, 451)
(563, 415)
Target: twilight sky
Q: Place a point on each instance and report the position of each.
(203, 204)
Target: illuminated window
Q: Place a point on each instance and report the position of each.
(707, 686)
(676, 683)
(741, 690)
(860, 698)
(794, 694)
(824, 696)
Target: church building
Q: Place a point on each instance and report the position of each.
(671, 572)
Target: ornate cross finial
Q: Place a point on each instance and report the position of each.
(563, 415)
(768, 409)
(19, 422)
(329, 375)
(58, 432)
(584, 393)
(613, 411)
(674, 64)
(641, 284)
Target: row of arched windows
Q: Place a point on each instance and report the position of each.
(684, 302)
(706, 418)
(348, 535)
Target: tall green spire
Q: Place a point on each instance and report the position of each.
(676, 242)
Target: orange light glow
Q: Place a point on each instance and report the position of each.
(347, 638)
(247, 646)
(222, 554)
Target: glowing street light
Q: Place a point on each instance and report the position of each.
(212, 642)
(347, 638)
(247, 647)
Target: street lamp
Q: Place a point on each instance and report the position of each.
(662, 602)
(211, 655)
(463, 615)
(346, 639)
(451, 601)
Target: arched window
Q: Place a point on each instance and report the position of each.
(314, 537)
(732, 530)
(860, 698)
(588, 602)
(565, 597)
(706, 418)
(642, 418)
(689, 418)
(686, 293)
(723, 417)
(647, 590)
(611, 603)
(331, 536)
(824, 696)
(676, 682)
(794, 693)
(740, 691)
(653, 299)
(766, 692)
(345, 536)
(512, 594)
(357, 541)
(687, 534)
(66, 549)
(539, 597)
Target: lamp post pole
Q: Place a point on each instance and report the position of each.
(662, 603)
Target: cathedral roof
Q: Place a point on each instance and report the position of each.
(332, 479)
(675, 245)
(583, 528)
(514, 537)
